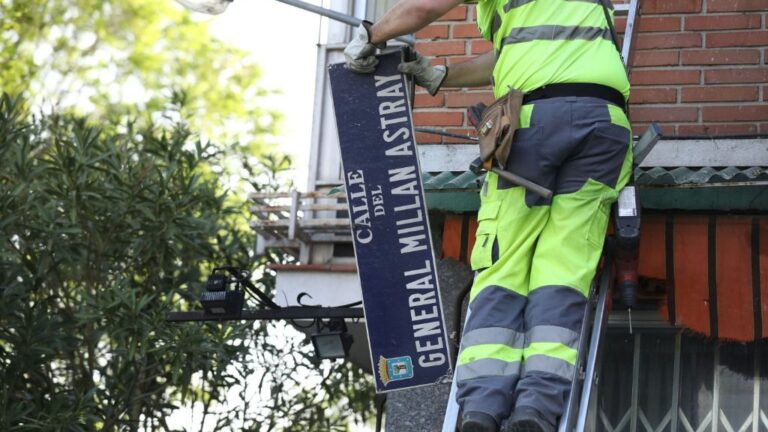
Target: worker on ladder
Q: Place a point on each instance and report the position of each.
(535, 256)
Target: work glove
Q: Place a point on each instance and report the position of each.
(427, 76)
(360, 53)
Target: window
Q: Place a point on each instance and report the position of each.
(376, 8)
(667, 381)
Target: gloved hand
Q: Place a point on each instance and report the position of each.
(427, 76)
(360, 52)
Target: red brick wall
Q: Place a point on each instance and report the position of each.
(700, 68)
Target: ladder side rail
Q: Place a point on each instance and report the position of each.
(629, 35)
(598, 333)
(568, 418)
(451, 419)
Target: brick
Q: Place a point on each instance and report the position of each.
(656, 58)
(765, 93)
(424, 100)
(441, 48)
(674, 40)
(742, 38)
(639, 128)
(649, 24)
(424, 138)
(441, 118)
(720, 57)
(719, 94)
(740, 113)
(722, 22)
(433, 32)
(736, 5)
(664, 114)
(620, 23)
(671, 6)
(465, 31)
(736, 75)
(481, 46)
(716, 129)
(458, 13)
(668, 76)
(764, 128)
(464, 99)
(642, 95)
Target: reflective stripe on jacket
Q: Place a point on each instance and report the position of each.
(540, 42)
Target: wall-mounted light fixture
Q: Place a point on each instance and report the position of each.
(331, 340)
(219, 301)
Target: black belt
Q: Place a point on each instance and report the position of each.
(599, 91)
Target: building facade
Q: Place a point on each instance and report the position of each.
(695, 356)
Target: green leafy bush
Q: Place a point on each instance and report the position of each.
(102, 234)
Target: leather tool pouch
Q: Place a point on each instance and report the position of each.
(497, 127)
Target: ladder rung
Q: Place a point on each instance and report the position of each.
(621, 8)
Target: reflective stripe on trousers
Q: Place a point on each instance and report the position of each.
(536, 258)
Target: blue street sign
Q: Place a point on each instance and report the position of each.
(393, 247)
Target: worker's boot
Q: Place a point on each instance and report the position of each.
(475, 421)
(526, 419)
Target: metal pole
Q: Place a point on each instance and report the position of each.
(756, 390)
(285, 313)
(338, 16)
(635, 408)
(716, 391)
(676, 381)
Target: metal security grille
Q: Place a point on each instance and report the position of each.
(667, 381)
